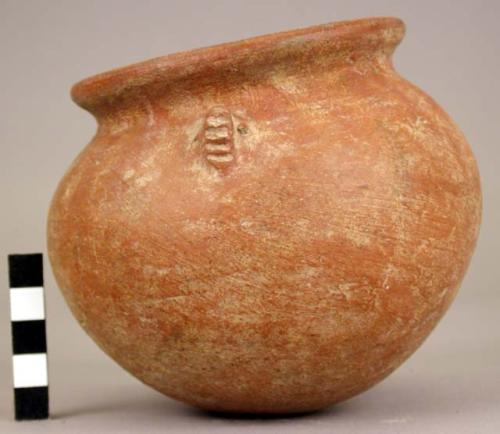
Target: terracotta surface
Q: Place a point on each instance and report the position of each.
(272, 225)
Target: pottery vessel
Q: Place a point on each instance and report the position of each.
(267, 226)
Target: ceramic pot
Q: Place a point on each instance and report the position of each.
(267, 226)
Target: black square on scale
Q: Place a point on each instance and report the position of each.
(31, 403)
(26, 270)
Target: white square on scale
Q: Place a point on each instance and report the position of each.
(26, 304)
(30, 370)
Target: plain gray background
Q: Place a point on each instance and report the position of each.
(451, 50)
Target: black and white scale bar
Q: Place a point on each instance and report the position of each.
(29, 343)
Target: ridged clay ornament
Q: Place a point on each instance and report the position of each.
(267, 226)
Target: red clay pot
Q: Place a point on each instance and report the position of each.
(272, 225)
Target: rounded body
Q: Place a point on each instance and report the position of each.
(267, 226)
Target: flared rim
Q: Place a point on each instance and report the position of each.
(376, 31)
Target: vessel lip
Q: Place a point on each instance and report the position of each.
(91, 91)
